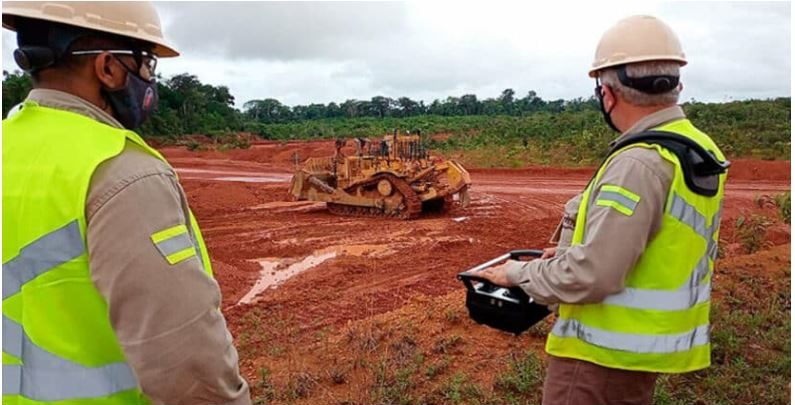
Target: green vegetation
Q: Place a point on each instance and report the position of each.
(15, 88)
(517, 130)
(395, 373)
(755, 128)
(784, 204)
(750, 231)
(458, 390)
(523, 380)
(264, 387)
(750, 346)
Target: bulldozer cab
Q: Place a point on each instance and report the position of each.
(403, 147)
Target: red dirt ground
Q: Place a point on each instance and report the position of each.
(315, 325)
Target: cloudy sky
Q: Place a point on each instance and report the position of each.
(309, 52)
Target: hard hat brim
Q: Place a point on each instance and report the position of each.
(594, 72)
(159, 46)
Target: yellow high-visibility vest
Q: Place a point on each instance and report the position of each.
(660, 321)
(58, 343)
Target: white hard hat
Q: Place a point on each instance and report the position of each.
(639, 38)
(132, 19)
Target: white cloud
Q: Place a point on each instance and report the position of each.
(323, 52)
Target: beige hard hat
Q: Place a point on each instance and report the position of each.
(639, 38)
(132, 19)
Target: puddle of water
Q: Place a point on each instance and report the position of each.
(271, 277)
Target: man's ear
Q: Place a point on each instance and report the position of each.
(608, 97)
(681, 87)
(109, 72)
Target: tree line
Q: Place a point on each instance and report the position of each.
(188, 106)
(759, 128)
(272, 111)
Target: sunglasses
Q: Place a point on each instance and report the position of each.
(146, 61)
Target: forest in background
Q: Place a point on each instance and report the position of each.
(520, 129)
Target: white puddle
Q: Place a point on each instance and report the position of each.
(271, 277)
(276, 271)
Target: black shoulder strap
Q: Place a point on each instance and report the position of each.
(701, 168)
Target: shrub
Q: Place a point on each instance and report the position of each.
(751, 232)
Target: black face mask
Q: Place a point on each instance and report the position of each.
(134, 102)
(605, 114)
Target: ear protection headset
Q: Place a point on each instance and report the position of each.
(32, 58)
(43, 44)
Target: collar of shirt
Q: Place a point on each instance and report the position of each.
(69, 102)
(655, 119)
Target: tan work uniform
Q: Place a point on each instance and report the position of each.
(166, 317)
(588, 273)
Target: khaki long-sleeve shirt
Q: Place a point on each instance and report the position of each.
(613, 242)
(165, 316)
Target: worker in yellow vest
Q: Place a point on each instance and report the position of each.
(633, 286)
(108, 294)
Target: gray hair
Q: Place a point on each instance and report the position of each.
(610, 77)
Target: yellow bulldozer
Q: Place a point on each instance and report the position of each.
(393, 177)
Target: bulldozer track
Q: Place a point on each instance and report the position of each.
(411, 207)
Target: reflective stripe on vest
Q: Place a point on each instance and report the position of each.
(51, 250)
(632, 342)
(692, 292)
(44, 376)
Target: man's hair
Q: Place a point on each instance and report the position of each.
(609, 77)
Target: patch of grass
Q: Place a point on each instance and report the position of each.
(784, 204)
(664, 396)
(750, 349)
(436, 368)
(252, 334)
(750, 231)
(263, 389)
(393, 385)
(395, 372)
(458, 390)
(523, 380)
(369, 340)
